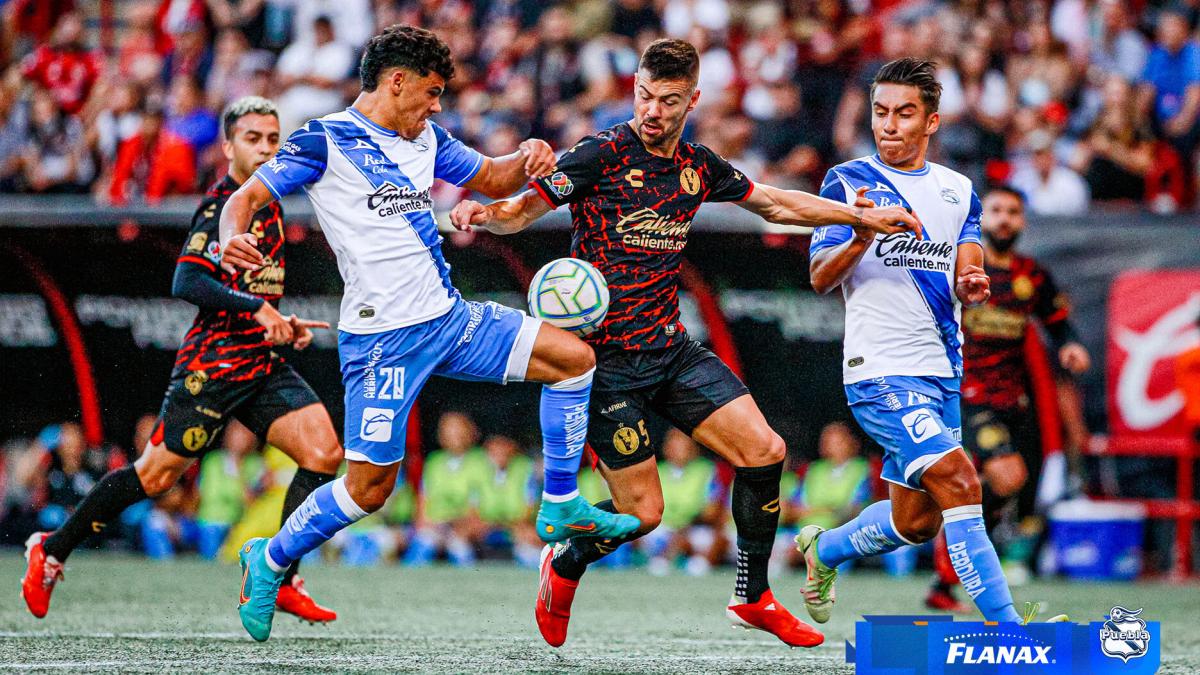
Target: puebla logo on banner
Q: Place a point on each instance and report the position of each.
(939, 645)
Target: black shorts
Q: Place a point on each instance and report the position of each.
(988, 432)
(683, 383)
(196, 409)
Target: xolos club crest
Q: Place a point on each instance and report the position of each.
(1124, 635)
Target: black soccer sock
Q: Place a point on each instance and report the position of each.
(572, 561)
(114, 493)
(303, 483)
(756, 514)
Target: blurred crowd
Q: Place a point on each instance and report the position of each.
(1073, 101)
(473, 498)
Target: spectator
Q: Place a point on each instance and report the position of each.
(976, 108)
(683, 17)
(191, 56)
(64, 67)
(553, 68)
(138, 57)
(189, 119)
(834, 489)
(508, 498)
(55, 160)
(118, 119)
(1045, 73)
(1170, 85)
(1050, 188)
(260, 518)
(69, 477)
(450, 494)
(1117, 153)
(151, 165)
(1116, 46)
(311, 74)
(227, 477)
(693, 510)
(787, 140)
(351, 20)
(14, 136)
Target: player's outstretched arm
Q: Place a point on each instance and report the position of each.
(501, 176)
(793, 207)
(239, 248)
(829, 267)
(505, 216)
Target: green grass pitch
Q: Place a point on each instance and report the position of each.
(121, 613)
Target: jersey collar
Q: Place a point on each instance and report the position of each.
(919, 172)
(367, 121)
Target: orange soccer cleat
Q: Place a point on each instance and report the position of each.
(41, 575)
(769, 615)
(553, 607)
(293, 599)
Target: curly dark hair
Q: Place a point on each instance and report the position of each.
(914, 73)
(668, 59)
(408, 47)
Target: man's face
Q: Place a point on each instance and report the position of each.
(661, 107)
(900, 122)
(1172, 31)
(415, 98)
(254, 141)
(1003, 220)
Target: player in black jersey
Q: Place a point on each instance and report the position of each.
(226, 368)
(633, 191)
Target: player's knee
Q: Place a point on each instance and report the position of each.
(371, 497)
(649, 513)
(920, 529)
(324, 458)
(577, 358)
(156, 482)
(761, 447)
(959, 489)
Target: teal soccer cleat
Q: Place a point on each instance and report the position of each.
(558, 521)
(260, 585)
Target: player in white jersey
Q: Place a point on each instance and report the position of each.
(368, 171)
(902, 362)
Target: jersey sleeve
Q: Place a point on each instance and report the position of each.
(970, 232)
(455, 163)
(197, 278)
(576, 176)
(203, 246)
(831, 235)
(301, 161)
(727, 183)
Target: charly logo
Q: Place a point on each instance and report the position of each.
(902, 249)
(1124, 635)
(389, 200)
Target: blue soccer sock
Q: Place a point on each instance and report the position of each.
(976, 564)
(872, 532)
(564, 413)
(327, 510)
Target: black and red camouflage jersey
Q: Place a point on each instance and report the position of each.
(995, 373)
(631, 213)
(222, 344)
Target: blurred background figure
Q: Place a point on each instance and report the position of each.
(834, 488)
(451, 484)
(694, 513)
(229, 476)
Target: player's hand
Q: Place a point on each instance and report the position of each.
(1074, 358)
(539, 157)
(974, 285)
(890, 220)
(302, 335)
(467, 213)
(279, 327)
(241, 252)
(862, 201)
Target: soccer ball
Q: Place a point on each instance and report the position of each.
(569, 293)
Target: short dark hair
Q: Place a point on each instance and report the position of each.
(408, 47)
(246, 105)
(1006, 190)
(913, 72)
(668, 59)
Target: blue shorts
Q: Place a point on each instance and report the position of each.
(917, 420)
(383, 372)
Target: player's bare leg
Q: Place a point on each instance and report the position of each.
(307, 436)
(565, 364)
(155, 472)
(635, 491)
(739, 433)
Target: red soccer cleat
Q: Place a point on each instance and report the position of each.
(293, 599)
(945, 601)
(553, 606)
(769, 615)
(40, 575)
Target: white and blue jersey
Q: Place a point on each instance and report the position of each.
(402, 320)
(902, 357)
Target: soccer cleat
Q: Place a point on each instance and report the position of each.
(818, 586)
(553, 606)
(770, 616)
(945, 601)
(1031, 612)
(294, 599)
(41, 574)
(260, 587)
(558, 521)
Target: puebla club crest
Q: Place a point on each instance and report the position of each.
(1124, 635)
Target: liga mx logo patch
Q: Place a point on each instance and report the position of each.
(377, 425)
(1124, 635)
